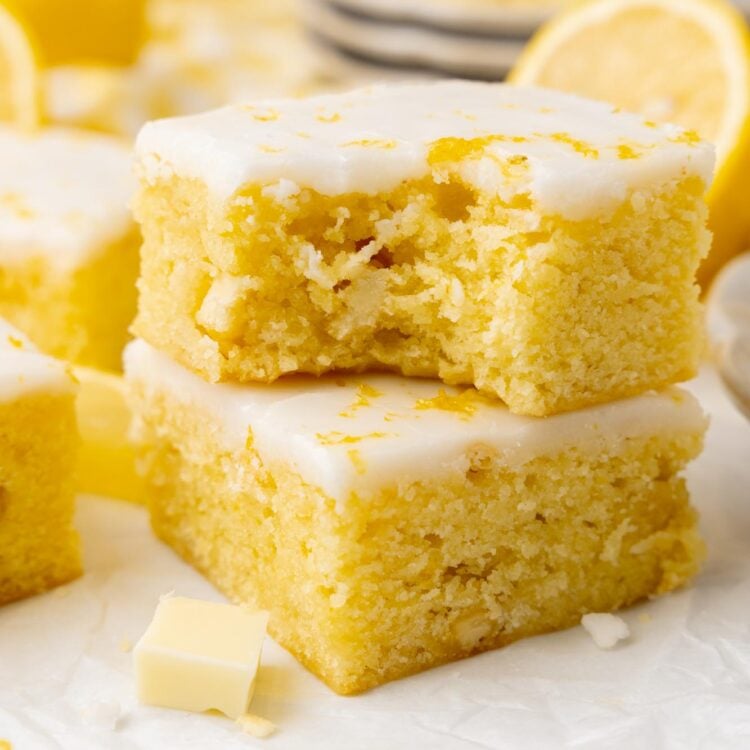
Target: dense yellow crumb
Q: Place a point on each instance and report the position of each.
(38, 546)
(423, 572)
(82, 315)
(434, 278)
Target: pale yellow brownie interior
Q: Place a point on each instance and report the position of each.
(434, 277)
(38, 545)
(81, 314)
(426, 571)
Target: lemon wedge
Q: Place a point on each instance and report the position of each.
(106, 459)
(19, 71)
(681, 61)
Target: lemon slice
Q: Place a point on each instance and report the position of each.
(106, 460)
(19, 79)
(681, 61)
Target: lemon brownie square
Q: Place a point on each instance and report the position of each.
(536, 245)
(392, 524)
(38, 441)
(68, 244)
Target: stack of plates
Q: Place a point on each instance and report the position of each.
(470, 39)
(466, 38)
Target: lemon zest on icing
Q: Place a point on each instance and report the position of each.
(365, 394)
(580, 147)
(332, 117)
(372, 143)
(360, 465)
(465, 404)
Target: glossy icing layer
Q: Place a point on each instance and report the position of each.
(360, 433)
(64, 195)
(24, 370)
(575, 157)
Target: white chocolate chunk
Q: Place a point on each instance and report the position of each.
(606, 630)
(102, 714)
(199, 655)
(256, 726)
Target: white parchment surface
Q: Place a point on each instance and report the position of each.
(682, 680)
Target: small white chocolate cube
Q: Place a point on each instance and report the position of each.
(199, 655)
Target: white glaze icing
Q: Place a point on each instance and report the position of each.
(371, 139)
(23, 369)
(64, 195)
(314, 424)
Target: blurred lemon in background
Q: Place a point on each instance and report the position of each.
(85, 39)
(681, 61)
(19, 80)
(75, 31)
(106, 459)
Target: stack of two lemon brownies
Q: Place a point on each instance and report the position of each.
(405, 363)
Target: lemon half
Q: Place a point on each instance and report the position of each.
(681, 61)
(85, 31)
